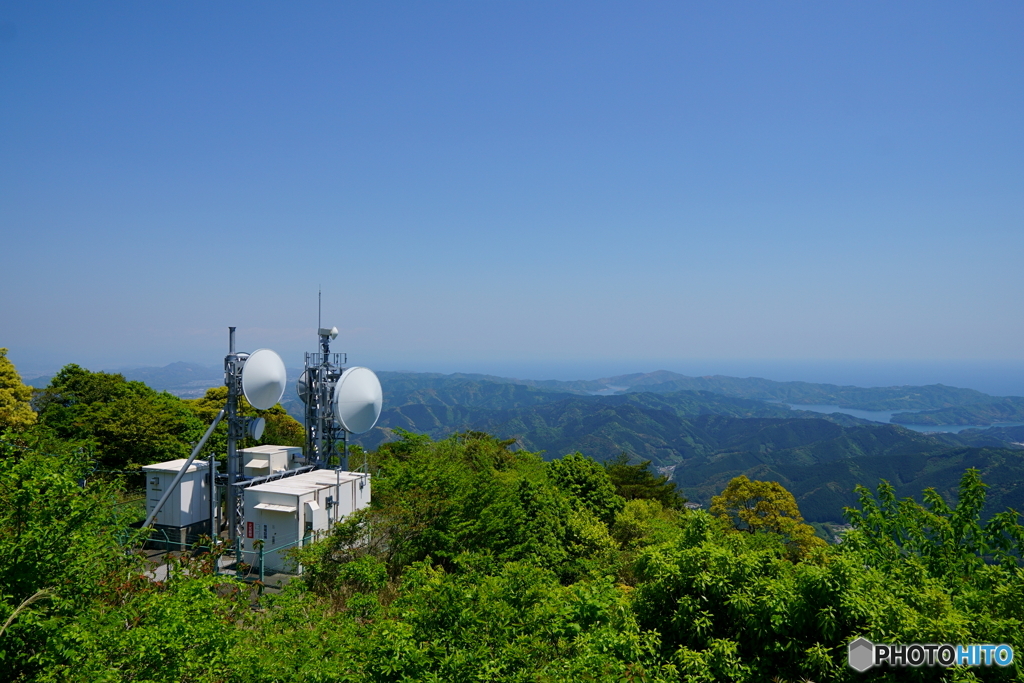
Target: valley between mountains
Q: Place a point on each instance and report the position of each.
(703, 431)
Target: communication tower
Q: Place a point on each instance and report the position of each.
(316, 389)
(338, 401)
(261, 378)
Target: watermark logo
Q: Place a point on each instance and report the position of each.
(863, 654)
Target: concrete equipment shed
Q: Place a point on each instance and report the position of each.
(284, 512)
(189, 504)
(260, 461)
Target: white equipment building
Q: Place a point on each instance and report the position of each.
(260, 461)
(186, 513)
(285, 513)
(279, 496)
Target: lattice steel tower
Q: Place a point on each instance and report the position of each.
(316, 389)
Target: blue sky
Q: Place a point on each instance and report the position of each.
(528, 187)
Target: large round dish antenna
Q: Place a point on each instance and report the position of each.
(302, 386)
(358, 400)
(263, 379)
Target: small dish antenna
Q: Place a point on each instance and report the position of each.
(263, 379)
(358, 399)
(260, 377)
(254, 427)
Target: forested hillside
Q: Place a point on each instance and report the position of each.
(700, 438)
(477, 562)
(554, 422)
(126, 424)
(861, 398)
(662, 381)
(1010, 409)
(937, 404)
(479, 559)
(819, 457)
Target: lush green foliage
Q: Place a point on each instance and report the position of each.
(15, 398)
(587, 485)
(128, 423)
(477, 561)
(636, 481)
(765, 506)
(281, 428)
(60, 544)
(469, 493)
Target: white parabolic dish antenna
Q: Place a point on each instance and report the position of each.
(358, 400)
(263, 379)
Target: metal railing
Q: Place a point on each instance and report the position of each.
(259, 556)
(242, 570)
(314, 359)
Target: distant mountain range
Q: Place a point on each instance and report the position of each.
(703, 430)
(932, 404)
(186, 380)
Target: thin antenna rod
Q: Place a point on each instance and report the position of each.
(184, 468)
(319, 306)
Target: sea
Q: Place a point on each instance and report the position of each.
(885, 415)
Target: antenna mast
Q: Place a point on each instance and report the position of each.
(260, 376)
(339, 400)
(233, 364)
(316, 388)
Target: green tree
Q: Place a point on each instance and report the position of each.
(129, 423)
(765, 506)
(951, 542)
(281, 428)
(15, 398)
(587, 485)
(466, 493)
(645, 521)
(59, 541)
(634, 482)
(470, 499)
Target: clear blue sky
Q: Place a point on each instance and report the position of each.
(497, 185)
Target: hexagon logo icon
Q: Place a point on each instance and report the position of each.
(862, 654)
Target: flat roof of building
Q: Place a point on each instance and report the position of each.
(175, 466)
(299, 484)
(267, 449)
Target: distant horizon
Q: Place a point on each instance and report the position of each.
(996, 378)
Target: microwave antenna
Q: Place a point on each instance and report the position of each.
(339, 401)
(261, 378)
